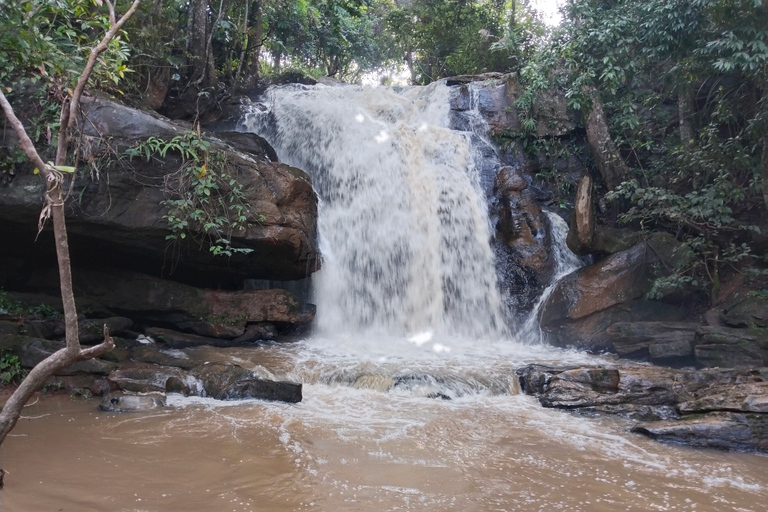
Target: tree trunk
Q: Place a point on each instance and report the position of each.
(197, 38)
(685, 112)
(612, 168)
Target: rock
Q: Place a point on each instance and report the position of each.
(727, 356)
(522, 242)
(123, 402)
(726, 430)
(115, 212)
(213, 330)
(92, 331)
(150, 299)
(587, 301)
(147, 378)
(173, 339)
(232, 382)
(586, 236)
(34, 350)
(658, 341)
(726, 347)
(597, 386)
(734, 401)
(151, 354)
(249, 143)
(750, 312)
(9, 328)
(748, 397)
(261, 331)
(82, 384)
(48, 329)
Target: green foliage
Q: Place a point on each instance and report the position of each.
(204, 195)
(11, 371)
(49, 40)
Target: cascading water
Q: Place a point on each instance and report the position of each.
(565, 263)
(403, 222)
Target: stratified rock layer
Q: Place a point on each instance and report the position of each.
(706, 408)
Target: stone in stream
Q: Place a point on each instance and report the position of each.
(233, 382)
(121, 402)
(726, 430)
(721, 408)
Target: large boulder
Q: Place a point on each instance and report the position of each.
(115, 211)
(589, 300)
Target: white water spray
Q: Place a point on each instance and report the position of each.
(403, 223)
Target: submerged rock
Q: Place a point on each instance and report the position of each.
(123, 402)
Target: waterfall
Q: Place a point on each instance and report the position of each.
(565, 263)
(403, 222)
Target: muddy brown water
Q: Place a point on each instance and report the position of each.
(347, 448)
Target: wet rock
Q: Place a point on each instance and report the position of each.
(597, 386)
(658, 341)
(589, 300)
(734, 401)
(634, 412)
(147, 378)
(522, 242)
(174, 339)
(249, 143)
(232, 382)
(84, 385)
(725, 347)
(726, 430)
(213, 330)
(151, 354)
(123, 402)
(747, 397)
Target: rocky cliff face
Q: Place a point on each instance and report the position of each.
(115, 209)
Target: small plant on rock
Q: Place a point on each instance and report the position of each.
(205, 200)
